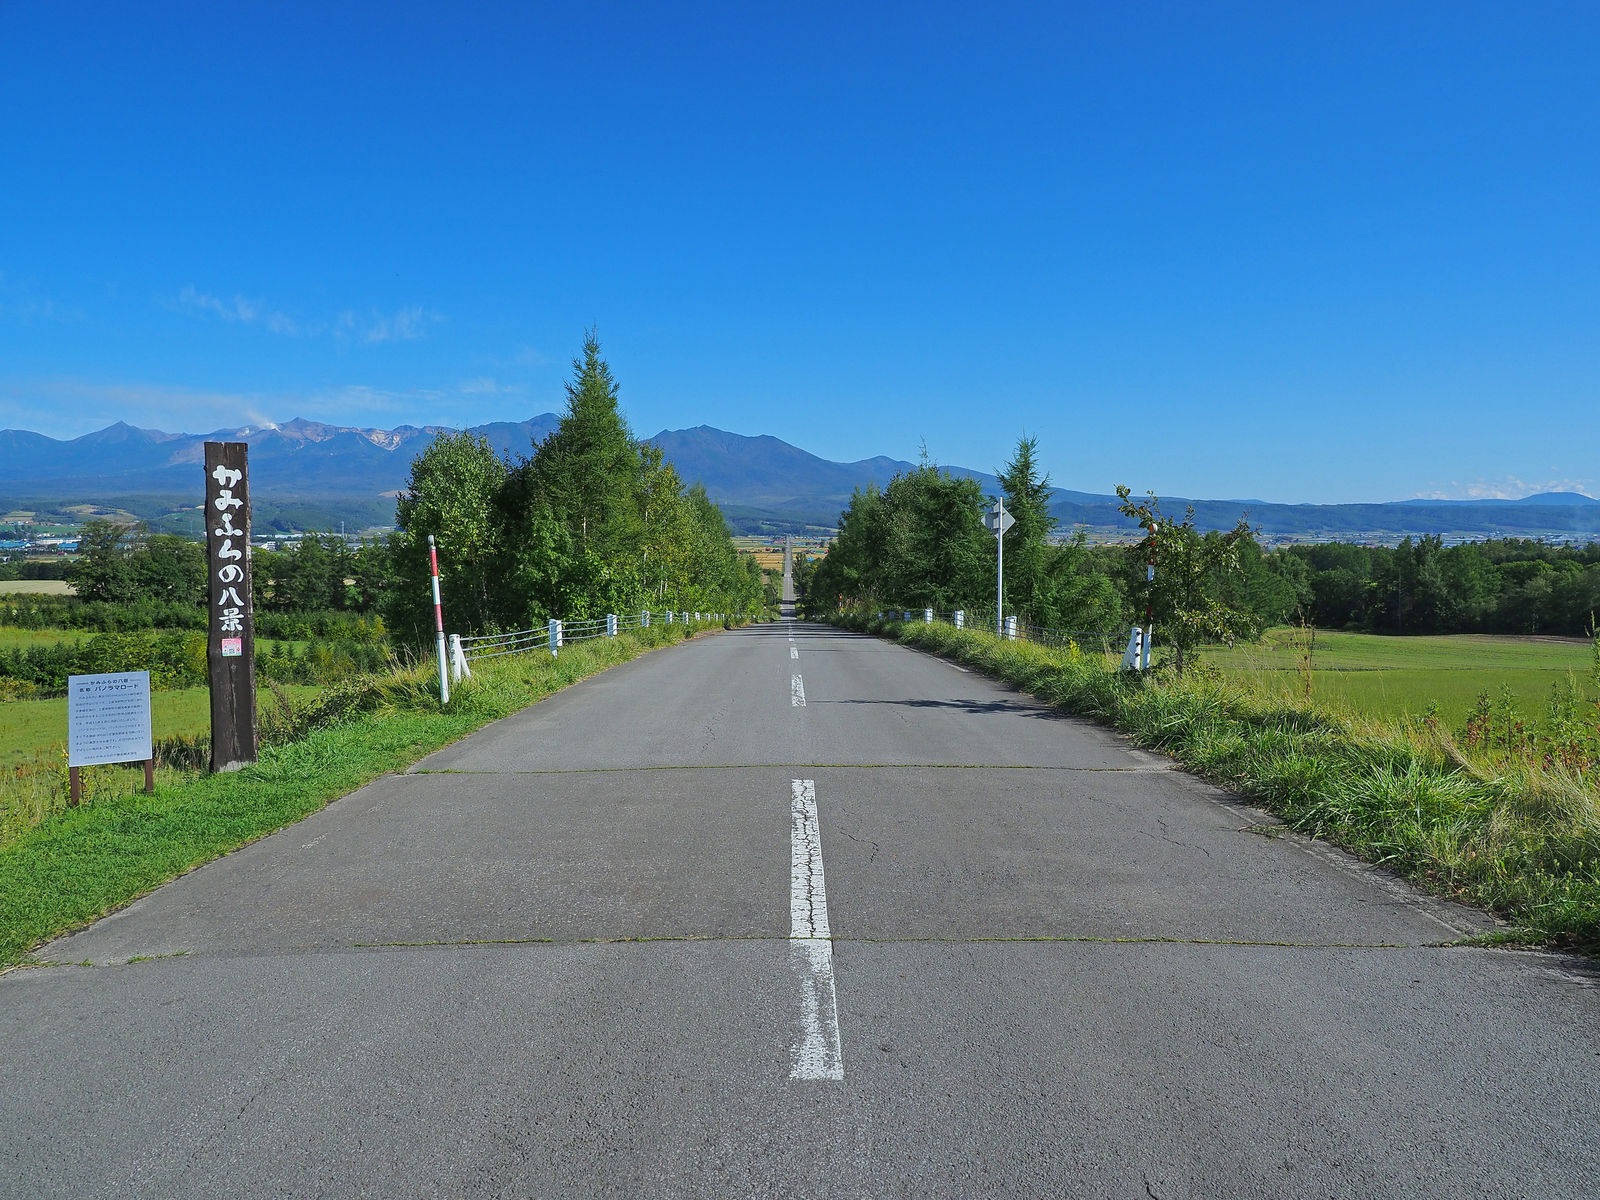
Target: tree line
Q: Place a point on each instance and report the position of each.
(1509, 585)
(128, 566)
(920, 541)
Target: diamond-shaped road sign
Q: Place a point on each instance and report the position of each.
(998, 519)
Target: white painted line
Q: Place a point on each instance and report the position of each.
(794, 652)
(797, 692)
(816, 1054)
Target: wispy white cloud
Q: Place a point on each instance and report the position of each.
(522, 356)
(374, 328)
(241, 309)
(20, 303)
(483, 385)
(67, 407)
(1506, 487)
(404, 325)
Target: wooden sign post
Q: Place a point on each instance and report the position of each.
(231, 640)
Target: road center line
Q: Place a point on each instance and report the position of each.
(794, 652)
(816, 1054)
(797, 692)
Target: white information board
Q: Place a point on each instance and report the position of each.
(108, 718)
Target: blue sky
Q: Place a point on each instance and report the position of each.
(1291, 252)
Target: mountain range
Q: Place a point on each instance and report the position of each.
(308, 474)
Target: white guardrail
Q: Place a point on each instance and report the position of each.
(1012, 630)
(464, 651)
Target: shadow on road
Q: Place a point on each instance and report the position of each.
(974, 707)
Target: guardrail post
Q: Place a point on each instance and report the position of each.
(611, 624)
(644, 619)
(555, 638)
(669, 616)
(961, 618)
(458, 660)
(927, 616)
(1011, 628)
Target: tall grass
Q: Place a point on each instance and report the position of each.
(1516, 834)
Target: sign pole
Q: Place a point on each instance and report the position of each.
(998, 521)
(438, 622)
(231, 634)
(999, 572)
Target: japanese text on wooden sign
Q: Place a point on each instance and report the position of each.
(231, 637)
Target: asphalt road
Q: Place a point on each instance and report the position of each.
(790, 912)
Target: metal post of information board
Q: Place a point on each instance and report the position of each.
(231, 637)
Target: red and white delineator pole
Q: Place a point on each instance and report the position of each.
(438, 623)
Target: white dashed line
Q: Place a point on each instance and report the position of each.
(797, 692)
(816, 1054)
(794, 652)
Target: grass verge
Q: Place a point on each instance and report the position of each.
(83, 863)
(1521, 840)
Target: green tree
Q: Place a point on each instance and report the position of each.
(920, 542)
(169, 569)
(102, 571)
(586, 469)
(452, 494)
(1187, 597)
(1027, 497)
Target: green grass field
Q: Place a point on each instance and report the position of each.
(1373, 675)
(31, 729)
(35, 587)
(26, 639)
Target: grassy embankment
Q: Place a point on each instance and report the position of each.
(1506, 830)
(1363, 675)
(79, 864)
(33, 734)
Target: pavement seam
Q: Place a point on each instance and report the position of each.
(1041, 939)
(825, 766)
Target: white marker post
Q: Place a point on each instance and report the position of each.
(438, 623)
